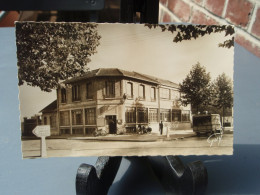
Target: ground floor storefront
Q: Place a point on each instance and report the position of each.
(120, 119)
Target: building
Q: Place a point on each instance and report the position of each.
(116, 101)
(29, 124)
(50, 117)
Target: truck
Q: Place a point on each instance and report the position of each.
(206, 124)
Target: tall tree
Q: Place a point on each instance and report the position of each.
(50, 52)
(223, 93)
(195, 88)
(188, 32)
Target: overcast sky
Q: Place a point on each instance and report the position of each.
(137, 48)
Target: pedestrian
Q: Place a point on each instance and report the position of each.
(161, 127)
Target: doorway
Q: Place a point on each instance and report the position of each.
(111, 122)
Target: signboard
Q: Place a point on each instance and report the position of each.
(42, 131)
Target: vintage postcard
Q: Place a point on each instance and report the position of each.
(90, 89)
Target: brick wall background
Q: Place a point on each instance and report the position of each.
(243, 14)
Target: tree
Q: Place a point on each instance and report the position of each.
(188, 32)
(195, 88)
(223, 93)
(50, 52)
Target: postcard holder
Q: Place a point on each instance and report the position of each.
(174, 176)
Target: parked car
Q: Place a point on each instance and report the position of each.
(206, 124)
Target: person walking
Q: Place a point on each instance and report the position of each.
(161, 127)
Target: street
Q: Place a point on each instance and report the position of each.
(126, 146)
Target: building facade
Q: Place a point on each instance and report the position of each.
(116, 101)
(50, 117)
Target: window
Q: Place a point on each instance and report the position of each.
(90, 131)
(141, 92)
(45, 120)
(153, 115)
(89, 91)
(90, 116)
(153, 94)
(64, 131)
(175, 95)
(165, 115)
(53, 121)
(130, 115)
(77, 117)
(129, 90)
(63, 95)
(185, 115)
(64, 118)
(75, 92)
(77, 130)
(142, 116)
(176, 115)
(165, 93)
(110, 89)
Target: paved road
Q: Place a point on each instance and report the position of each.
(162, 146)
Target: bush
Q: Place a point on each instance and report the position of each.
(121, 129)
(100, 132)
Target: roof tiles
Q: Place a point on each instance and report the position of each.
(110, 72)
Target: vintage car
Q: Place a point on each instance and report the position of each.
(206, 124)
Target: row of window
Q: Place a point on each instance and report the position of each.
(164, 93)
(141, 115)
(141, 91)
(109, 91)
(78, 130)
(132, 115)
(77, 117)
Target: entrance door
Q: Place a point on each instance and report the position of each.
(111, 121)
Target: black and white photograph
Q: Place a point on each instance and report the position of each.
(89, 89)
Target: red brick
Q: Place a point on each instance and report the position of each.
(201, 18)
(180, 9)
(164, 2)
(198, 1)
(248, 45)
(256, 25)
(239, 11)
(166, 18)
(215, 6)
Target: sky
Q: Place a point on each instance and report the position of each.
(135, 47)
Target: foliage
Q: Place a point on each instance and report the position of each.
(100, 132)
(50, 52)
(188, 32)
(195, 88)
(223, 92)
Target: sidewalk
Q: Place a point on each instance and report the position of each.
(177, 134)
(174, 135)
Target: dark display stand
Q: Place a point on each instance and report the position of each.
(174, 176)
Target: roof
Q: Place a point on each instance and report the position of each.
(51, 107)
(163, 81)
(110, 72)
